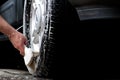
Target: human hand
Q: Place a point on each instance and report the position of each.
(19, 41)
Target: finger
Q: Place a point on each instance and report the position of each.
(22, 51)
(25, 41)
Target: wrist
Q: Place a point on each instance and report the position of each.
(11, 34)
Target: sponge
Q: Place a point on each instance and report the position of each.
(28, 59)
(28, 56)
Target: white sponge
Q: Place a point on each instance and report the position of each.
(28, 59)
(28, 56)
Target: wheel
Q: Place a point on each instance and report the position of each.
(40, 34)
(41, 18)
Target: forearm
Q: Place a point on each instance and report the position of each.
(17, 39)
(6, 28)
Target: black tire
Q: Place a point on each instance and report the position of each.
(61, 18)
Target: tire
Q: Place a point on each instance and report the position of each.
(45, 43)
(58, 14)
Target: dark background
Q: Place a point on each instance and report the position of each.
(10, 57)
